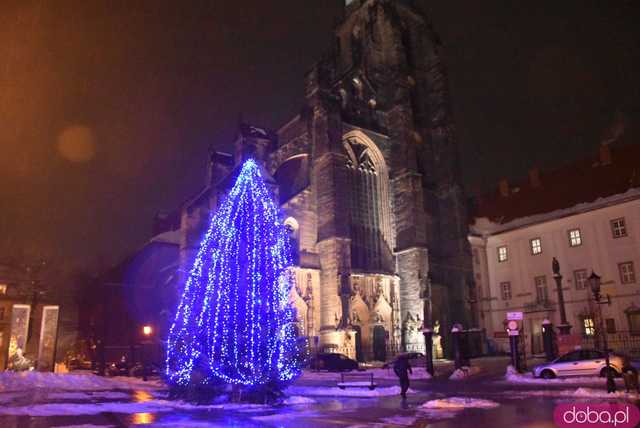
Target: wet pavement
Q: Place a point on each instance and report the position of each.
(520, 405)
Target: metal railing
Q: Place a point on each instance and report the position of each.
(624, 342)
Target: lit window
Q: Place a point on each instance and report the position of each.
(580, 277)
(536, 246)
(619, 227)
(3, 288)
(627, 273)
(589, 327)
(611, 325)
(503, 254)
(505, 287)
(575, 239)
(541, 289)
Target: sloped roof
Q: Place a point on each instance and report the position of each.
(580, 182)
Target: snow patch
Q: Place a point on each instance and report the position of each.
(348, 392)
(286, 415)
(379, 373)
(459, 403)
(514, 377)
(574, 393)
(403, 421)
(102, 395)
(297, 399)
(151, 406)
(464, 372)
(28, 381)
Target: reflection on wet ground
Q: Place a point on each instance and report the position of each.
(516, 409)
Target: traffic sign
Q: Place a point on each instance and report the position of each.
(512, 325)
(517, 316)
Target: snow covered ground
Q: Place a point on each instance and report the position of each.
(29, 381)
(347, 392)
(465, 372)
(379, 373)
(460, 403)
(148, 406)
(582, 393)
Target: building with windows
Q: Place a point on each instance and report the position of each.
(37, 322)
(587, 216)
(368, 177)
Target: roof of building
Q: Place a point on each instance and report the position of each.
(615, 171)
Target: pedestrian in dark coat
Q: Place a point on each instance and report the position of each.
(402, 368)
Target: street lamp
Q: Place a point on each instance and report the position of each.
(147, 330)
(595, 284)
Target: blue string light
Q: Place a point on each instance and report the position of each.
(235, 320)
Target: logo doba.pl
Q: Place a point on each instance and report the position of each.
(606, 415)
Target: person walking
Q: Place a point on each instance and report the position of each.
(402, 368)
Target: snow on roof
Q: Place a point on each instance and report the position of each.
(573, 187)
(485, 226)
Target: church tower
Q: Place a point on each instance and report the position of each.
(386, 177)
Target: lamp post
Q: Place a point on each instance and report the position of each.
(427, 329)
(595, 284)
(564, 327)
(147, 331)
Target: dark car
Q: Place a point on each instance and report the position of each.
(333, 363)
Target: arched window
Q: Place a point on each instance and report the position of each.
(371, 235)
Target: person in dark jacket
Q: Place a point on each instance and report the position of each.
(402, 368)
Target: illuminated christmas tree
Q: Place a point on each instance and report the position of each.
(234, 323)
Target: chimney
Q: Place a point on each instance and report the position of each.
(503, 187)
(605, 155)
(534, 178)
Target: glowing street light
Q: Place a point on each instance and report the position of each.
(147, 330)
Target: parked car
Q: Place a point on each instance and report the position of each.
(119, 368)
(582, 362)
(333, 362)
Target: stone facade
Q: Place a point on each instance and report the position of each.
(367, 175)
(586, 215)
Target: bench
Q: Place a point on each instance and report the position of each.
(357, 380)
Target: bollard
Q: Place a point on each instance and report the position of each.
(457, 352)
(548, 339)
(428, 349)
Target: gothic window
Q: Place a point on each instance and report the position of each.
(371, 237)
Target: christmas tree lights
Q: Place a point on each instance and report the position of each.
(234, 322)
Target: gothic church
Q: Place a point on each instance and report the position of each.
(368, 178)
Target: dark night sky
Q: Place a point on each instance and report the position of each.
(107, 108)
